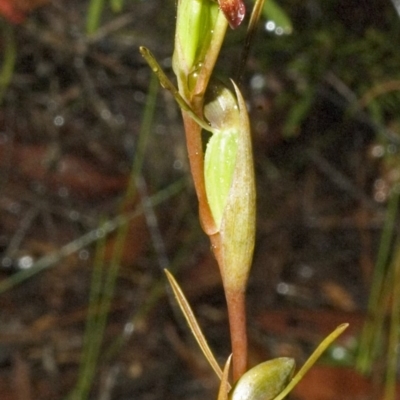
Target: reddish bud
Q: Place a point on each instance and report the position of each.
(234, 11)
(10, 12)
(15, 10)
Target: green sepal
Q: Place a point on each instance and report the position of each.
(264, 381)
(222, 113)
(194, 30)
(239, 218)
(229, 180)
(220, 107)
(219, 165)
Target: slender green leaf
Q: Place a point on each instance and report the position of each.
(94, 15)
(193, 324)
(9, 58)
(167, 84)
(311, 360)
(224, 387)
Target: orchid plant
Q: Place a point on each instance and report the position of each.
(223, 177)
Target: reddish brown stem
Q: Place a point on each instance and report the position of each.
(237, 324)
(196, 160)
(235, 298)
(236, 303)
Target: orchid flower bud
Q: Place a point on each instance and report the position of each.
(234, 11)
(229, 181)
(264, 381)
(221, 111)
(194, 30)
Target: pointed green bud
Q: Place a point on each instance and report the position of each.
(264, 381)
(221, 111)
(229, 180)
(194, 30)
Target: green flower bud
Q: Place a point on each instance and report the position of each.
(229, 180)
(222, 112)
(264, 381)
(221, 108)
(194, 30)
(219, 165)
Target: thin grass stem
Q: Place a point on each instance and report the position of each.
(374, 323)
(116, 5)
(94, 15)
(9, 58)
(394, 332)
(193, 324)
(93, 330)
(53, 258)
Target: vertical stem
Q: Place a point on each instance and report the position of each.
(196, 160)
(236, 303)
(235, 298)
(237, 324)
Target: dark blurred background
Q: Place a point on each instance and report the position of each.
(322, 84)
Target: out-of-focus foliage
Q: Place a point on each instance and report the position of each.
(348, 47)
(277, 17)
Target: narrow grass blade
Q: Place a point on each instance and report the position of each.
(9, 58)
(103, 285)
(93, 16)
(311, 360)
(94, 328)
(394, 332)
(224, 387)
(373, 327)
(52, 259)
(116, 5)
(194, 326)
